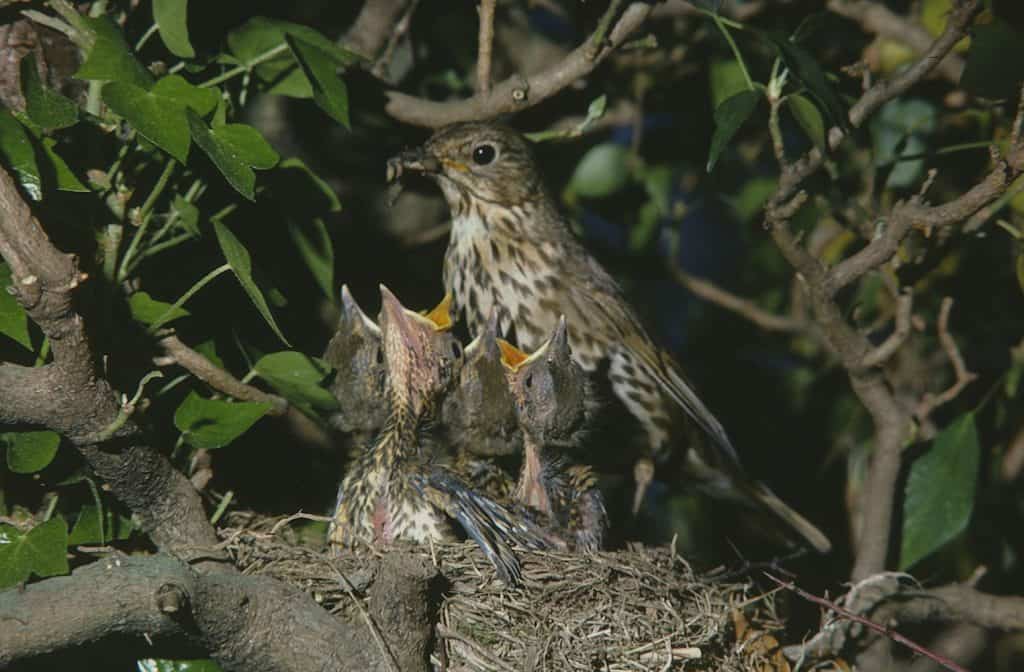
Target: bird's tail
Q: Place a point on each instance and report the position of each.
(768, 499)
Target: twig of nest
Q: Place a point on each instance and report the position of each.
(617, 611)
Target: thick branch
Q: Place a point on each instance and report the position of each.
(876, 18)
(372, 27)
(244, 622)
(69, 397)
(957, 603)
(517, 93)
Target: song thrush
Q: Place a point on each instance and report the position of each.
(511, 250)
(394, 490)
(356, 353)
(550, 390)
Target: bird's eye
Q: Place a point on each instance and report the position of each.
(483, 154)
(529, 381)
(456, 349)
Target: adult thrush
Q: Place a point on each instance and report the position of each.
(511, 250)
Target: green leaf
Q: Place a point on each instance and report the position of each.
(805, 68)
(241, 263)
(729, 116)
(603, 170)
(41, 551)
(317, 250)
(161, 665)
(726, 79)
(329, 91)
(809, 118)
(13, 320)
(159, 114)
(159, 120)
(148, 310)
(88, 530)
(65, 179)
(282, 74)
(17, 153)
(235, 149)
(29, 452)
(110, 59)
(940, 491)
(179, 90)
(171, 18)
(214, 423)
(993, 67)
(48, 109)
(297, 377)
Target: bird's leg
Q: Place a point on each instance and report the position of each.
(643, 476)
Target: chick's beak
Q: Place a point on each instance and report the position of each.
(415, 160)
(395, 324)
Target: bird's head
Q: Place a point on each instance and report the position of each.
(482, 399)
(549, 388)
(421, 355)
(474, 160)
(356, 354)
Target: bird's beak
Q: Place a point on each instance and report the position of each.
(486, 342)
(414, 160)
(441, 314)
(353, 316)
(511, 356)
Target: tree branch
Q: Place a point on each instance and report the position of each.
(888, 347)
(964, 377)
(485, 46)
(69, 397)
(879, 94)
(216, 377)
(892, 423)
(370, 31)
(244, 622)
(745, 308)
(876, 18)
(518, 93)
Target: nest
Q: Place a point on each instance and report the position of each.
(616, 610)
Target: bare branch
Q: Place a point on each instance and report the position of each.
(244, 622)
(868, 623)
(485, 46)
(876, 18)
(888, 347)
(370, 31)
(964, 377)
(216, 377)
(746, 308)
(517, 93)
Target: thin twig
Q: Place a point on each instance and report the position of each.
(880, 629)
(218, 378)
(485, 46)
(964, 377)
(888, 347)
(745, 308)
(517, 92)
